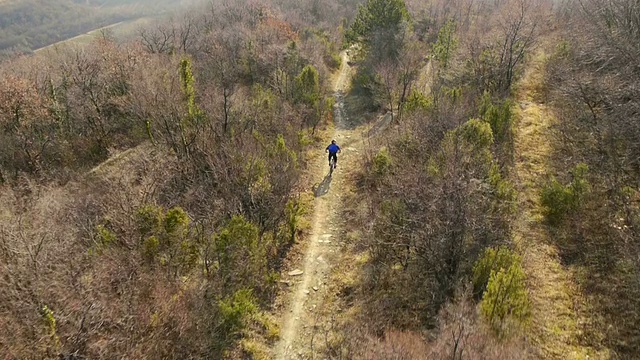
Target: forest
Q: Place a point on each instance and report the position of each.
(156, 193)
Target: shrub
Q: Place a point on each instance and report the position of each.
(283, 154)
(267, 326)
(477, 133)
(563, 50)
(502, 188)
(473, 139)
(366, 85)
(167, 237)
(559, 200)
(491, 261)
(149, 219)
(556, 200)
(382, 162)
(188, 255)
(103, 238)
(240, 255)
(150, 247)
(498, 116)
(505, 303)
(333, 60)
(418, 101)
(254, 350)
(175, 219)
(236, 310)
(579, 185)
(463, 336)
(308, 86)
(50, 325)
(446, 44)
(194, 114)
(294, 210)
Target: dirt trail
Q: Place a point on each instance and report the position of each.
(559, 311)
(298, 329)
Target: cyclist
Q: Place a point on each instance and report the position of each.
(333, 149)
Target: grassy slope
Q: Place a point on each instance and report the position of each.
(560, 312)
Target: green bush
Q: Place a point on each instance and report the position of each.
(381, 162)
(294, 210)
(503, 190)
(150, 247)
(188, 254)
(103, 238)
(395, 211)
(166, 237)
(446, 45)
(473, 139)
(194, 114)
(563, 50)
(367, 87)
(492, 260)
(236, 310)
(149, 219)
(308, 86)
(502, 187)
(477, 133)
(505, 304)
(580, 185)
(175, 219)
(240, 255)
(418, 101)
(498, 116)
(333, 60)
(559, 200)
(374, 18)
(50, 325)
(285, 156)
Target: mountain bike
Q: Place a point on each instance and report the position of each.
(332, 165)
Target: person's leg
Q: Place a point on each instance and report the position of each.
(335, 160)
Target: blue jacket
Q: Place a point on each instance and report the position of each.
(333, 148)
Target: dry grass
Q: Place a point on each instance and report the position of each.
(559, 309)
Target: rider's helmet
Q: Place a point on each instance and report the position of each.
(333, 141)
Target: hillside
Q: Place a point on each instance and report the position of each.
(28, 25)
(167, 196)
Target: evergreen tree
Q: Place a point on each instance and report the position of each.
(378, 28)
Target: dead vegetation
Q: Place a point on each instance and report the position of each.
(437, 197)
(496, 216)
(592, 87)
(424, 216)
(172, 248)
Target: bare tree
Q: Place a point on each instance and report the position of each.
(497, 57)
(161, 39)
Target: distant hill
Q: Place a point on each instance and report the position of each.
(31, 24)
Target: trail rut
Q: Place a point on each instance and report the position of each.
(558, 308)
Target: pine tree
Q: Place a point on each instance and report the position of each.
(378, 26)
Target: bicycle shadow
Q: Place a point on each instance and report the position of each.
(322, 188)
